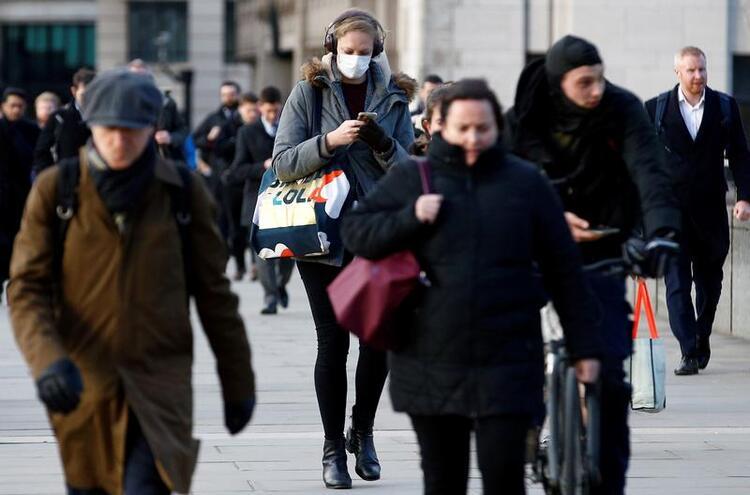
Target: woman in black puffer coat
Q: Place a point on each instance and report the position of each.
(493, 242)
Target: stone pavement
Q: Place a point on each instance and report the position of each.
(699, 445)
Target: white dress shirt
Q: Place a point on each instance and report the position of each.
(692, 115)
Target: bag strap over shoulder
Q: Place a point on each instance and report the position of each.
(725, 105)
(661, 106)
(317, 110)
(68, 176)
(182, 211)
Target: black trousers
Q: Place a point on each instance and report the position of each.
(700, 262)
(330, 365)
(501, 451)
(141, 475)
(615, 392)
(274, 274)
(236, 232)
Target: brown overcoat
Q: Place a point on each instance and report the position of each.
(124, 321)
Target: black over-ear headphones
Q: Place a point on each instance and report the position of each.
(329, 41)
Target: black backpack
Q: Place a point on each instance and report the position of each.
(67, 183)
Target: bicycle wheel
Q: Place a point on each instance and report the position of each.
(572, 466)
(593, 435)
(554, 419)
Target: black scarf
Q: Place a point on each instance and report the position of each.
(122, 190)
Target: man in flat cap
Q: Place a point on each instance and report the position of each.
(595, 143)
(101, 312)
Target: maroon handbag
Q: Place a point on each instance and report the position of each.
(367, 293)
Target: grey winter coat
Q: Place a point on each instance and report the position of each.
(297, 153)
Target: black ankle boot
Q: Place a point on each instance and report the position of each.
(335, 473)
(360, 443)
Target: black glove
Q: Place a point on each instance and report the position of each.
(237, 415)
(649, 259)
(375, 137)
(60, 386)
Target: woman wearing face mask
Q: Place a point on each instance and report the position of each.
(473, 353)
(353, 77)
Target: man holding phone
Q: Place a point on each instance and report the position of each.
(595, 143)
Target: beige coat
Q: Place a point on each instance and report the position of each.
(124, 321)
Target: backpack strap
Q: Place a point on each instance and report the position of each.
(68, 175)
(661, 107)
(725, 104)
(182, 210)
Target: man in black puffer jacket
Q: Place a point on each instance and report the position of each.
(595, 142)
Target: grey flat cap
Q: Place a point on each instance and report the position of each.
(118, 98)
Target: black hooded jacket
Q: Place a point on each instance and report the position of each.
(606, 164)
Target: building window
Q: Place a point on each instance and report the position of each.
(741, 87)
(158, 31)
(44, 57)
(230, 30)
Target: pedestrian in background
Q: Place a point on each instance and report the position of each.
(248, 108)
(171, 130)
(44, 106)
(699, 126)
(102, 316)
(65, 133)
(249, 114)
(251, 160)
(18, 136)
(595, 143)
(353, 77)
(472, 355)
(216, 138)
(432, 121)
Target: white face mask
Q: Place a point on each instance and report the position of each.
(352, 66)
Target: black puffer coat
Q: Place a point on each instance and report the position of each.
(473, 347)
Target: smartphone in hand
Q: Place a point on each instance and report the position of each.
(363, 116)
(603, 230)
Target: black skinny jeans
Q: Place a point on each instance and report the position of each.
(330, 365)
(501, 452)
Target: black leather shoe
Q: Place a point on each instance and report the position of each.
(361, 444)
(704, 352)
(269, 310)
(283, 297)
(688, 366)
(335, 473)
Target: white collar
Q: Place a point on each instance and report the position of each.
(681, 98)
(269, 127)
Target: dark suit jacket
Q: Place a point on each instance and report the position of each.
(698, 165)
(171, 121)
(219, 153)
(62, 137)
(17, 141)
(254, 146)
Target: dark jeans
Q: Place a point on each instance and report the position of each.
(700, 262)
(237, 233)
(141, 475)
(330, 365)
(615, 393)
(501, 451)
(274, 274)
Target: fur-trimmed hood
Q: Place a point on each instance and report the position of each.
(316, 69)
